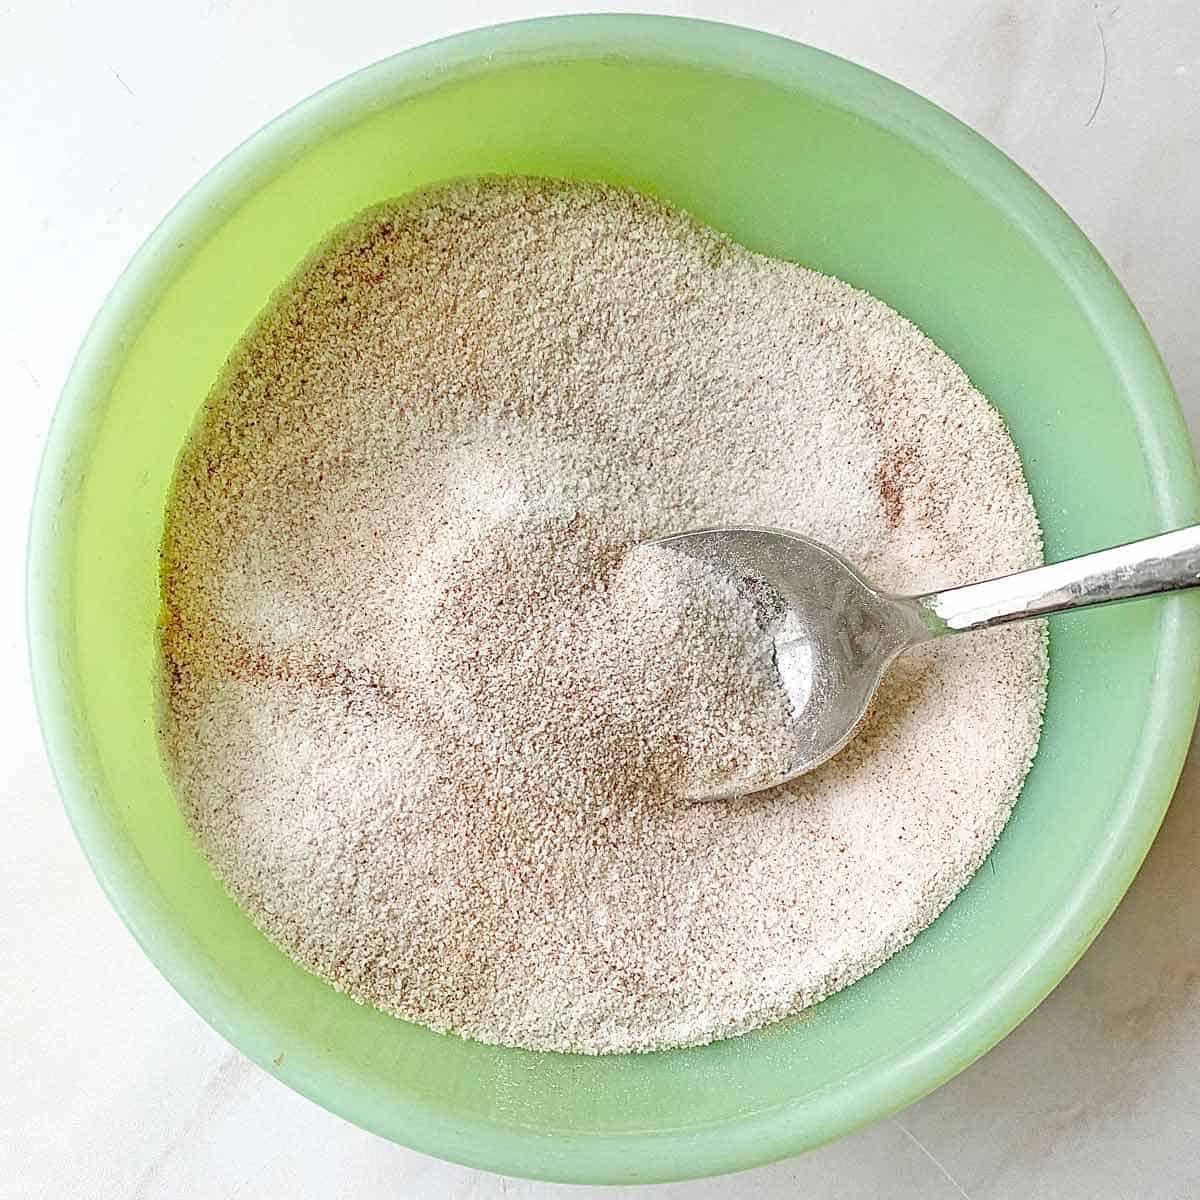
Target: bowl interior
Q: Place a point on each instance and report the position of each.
(795, 154)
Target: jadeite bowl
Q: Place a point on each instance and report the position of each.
(796, 154)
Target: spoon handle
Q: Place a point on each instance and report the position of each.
(1164, 563)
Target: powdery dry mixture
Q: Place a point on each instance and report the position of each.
(429, 718)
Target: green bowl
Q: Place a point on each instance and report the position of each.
(796, 154)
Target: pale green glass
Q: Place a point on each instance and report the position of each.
(794, 153)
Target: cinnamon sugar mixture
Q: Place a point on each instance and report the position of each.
(429, 712)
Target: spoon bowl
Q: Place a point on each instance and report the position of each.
(833, 635)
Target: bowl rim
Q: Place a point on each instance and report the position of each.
(1164, 441)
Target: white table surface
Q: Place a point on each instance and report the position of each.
(109, 1085)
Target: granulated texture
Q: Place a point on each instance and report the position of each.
(428, 716)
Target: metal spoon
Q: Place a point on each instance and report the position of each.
(835, 635)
